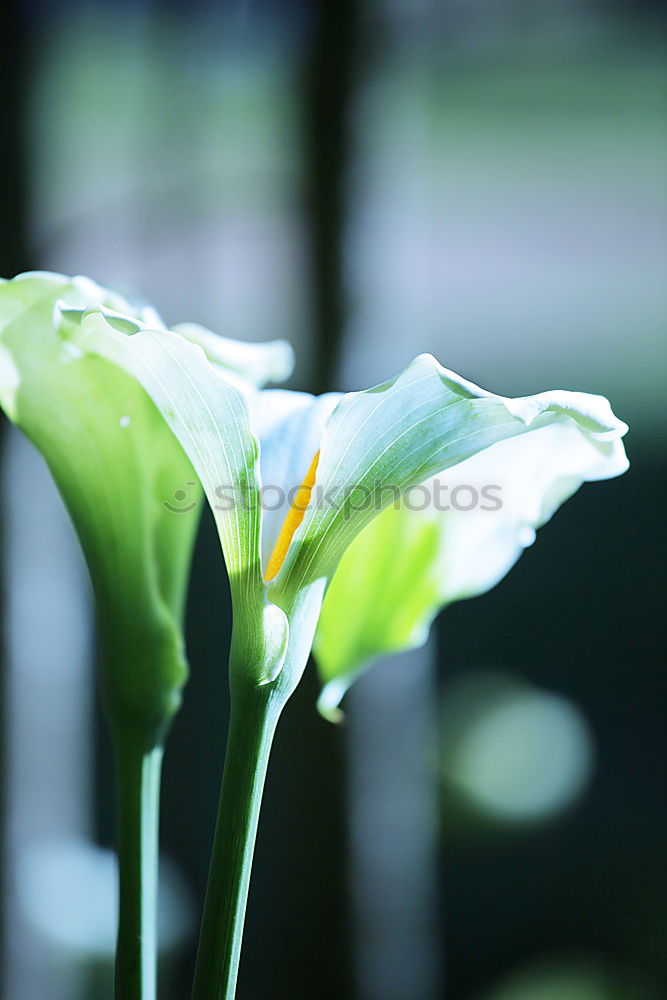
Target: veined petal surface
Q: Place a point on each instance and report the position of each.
(381, 441)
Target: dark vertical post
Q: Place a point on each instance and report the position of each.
(328, 89)
(13, 55)
(13, 258)
(304, 858)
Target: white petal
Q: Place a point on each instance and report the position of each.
(423, 422)
(536, 473)
(259, 363)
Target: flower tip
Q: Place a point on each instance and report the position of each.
(430, 363)
(117, 320)
(618, 428)
(62, 308)
(332, 714)
(425, 358)
(328, 703)
(283, 362)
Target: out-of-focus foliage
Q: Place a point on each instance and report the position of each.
(574, 980)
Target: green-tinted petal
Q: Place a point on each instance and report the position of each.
(112, 457)
(209, 417)
(381, 599)
(131, 491)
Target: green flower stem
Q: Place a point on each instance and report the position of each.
(138, 790)
(254, 716)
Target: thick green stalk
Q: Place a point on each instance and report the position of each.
(254, 716)
(138, 790)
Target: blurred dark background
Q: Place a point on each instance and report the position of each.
(483, 180)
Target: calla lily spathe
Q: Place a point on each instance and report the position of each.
(368, 446)
(115, 463)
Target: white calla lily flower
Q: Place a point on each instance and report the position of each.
(335, 462)
(116, 466)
